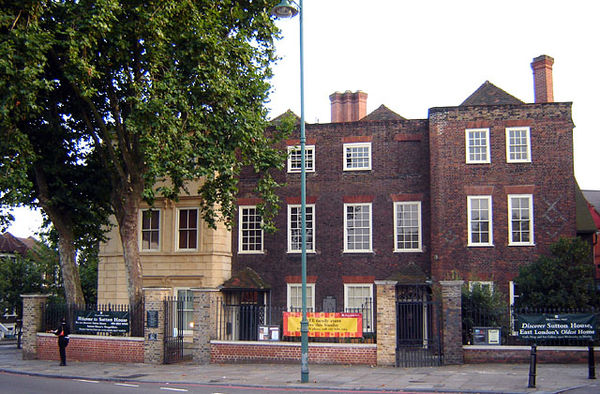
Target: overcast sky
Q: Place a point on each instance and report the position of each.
(415, 55)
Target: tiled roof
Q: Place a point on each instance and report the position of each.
(382, 113)
(489, 94)
(11, 244)
(593, 197)
(584, 219)
(277, 120)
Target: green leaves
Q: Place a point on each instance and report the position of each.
(563, 280)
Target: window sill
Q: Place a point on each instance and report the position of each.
(481, 246)
(408, 251)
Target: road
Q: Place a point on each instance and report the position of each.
(24, 384)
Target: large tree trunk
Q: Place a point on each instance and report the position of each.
(66, 243)
(126, 208)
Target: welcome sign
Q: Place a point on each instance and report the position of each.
(95, 321)
(324, 325)
(553, 326)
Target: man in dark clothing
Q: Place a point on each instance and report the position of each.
(63, 340)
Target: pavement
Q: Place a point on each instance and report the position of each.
(468, 378)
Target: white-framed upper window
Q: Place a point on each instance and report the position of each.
(478, 145)
(357, 156)
(407, 226)
(150, 229)
(358, 298)
(295, 228)
(520, 219)
(518, 145)
(294, 163)
(187, 229)
(250, 237)
(513, 298)
(357, 228)
(479, 221)
(294, 297)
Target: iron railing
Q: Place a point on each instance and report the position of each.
(240, 322)
(54, 312)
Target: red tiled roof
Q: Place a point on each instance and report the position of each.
(11, 244)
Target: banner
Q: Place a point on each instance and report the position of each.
(551, 326)
(324, 325)
(94, 321)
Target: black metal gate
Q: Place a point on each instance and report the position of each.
(418, 329)
(173, 330)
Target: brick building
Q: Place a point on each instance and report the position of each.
(472, 192)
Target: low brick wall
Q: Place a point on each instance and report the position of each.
(93, 348)
(520, 354)
(226, 352)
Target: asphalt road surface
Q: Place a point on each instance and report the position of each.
(24, 384)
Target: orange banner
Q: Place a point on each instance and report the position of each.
(324, 325)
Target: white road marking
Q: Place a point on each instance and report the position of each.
(172, 389)
(86, 381)
(127, 385)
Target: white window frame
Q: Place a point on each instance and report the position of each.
(309, 158)
(470, 219)
(509, 146)
(368, 324)
(482, 284)
(512, 297)
(178, 229)
(531, 241)
(141, 233)
(358, 145)
(419, 248)
(348, 250)
(241, 209)
(310, 226)
(310, 296)
(469, 160)
(188, 330)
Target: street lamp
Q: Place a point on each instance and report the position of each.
(289, 9)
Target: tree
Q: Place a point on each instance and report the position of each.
(44, 161)
(164, 91)
(565, 279)
(37, 272)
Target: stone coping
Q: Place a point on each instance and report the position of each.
(295, 344)
(95, 337)
(528, 348)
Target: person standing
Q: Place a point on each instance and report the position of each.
(63, 340)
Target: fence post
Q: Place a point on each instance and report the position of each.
(154, 329)
(206, 302)
(386, 322)
(452, 321)
(32, 323)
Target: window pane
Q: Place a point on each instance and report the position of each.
(250, 230)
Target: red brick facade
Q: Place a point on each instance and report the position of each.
(93, 348)
(286, 352)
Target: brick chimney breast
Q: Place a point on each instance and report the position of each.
(348, 106)
(542, 79)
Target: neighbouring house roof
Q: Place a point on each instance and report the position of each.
(593, 197)
(584, 219)
(13, 245)
(246, 279)
(382, 113)
(490, 94)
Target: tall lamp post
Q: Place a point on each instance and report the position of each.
(289, 9)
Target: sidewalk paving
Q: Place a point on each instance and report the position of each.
(470, 378)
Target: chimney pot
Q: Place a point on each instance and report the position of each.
(542, 79)
(348, 106)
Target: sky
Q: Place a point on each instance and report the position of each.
(416, 55)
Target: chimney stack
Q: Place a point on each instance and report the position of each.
(348, 106)
(542, 79)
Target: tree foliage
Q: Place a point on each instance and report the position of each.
(565, 279)
(37, 272)
(163, 91)
(482, 307)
